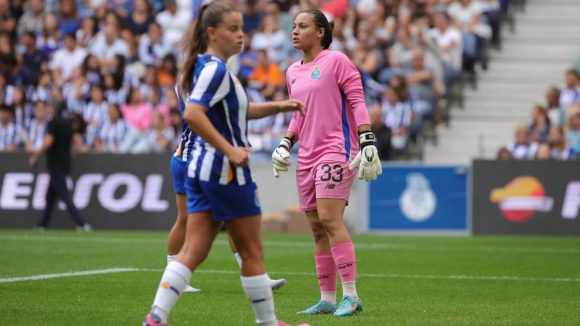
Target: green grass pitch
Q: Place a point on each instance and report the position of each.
(401, 280)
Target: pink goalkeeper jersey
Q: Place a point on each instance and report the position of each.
(331, 88)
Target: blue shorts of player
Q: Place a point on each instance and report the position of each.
(226, 202)
(179, 173)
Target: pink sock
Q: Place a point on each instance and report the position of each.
(345, 261)
(326, 271)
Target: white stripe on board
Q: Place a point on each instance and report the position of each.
(305, 244)
(214, 271)
(70, 274)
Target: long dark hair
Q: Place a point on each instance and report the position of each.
(210, 15)
(320, 21)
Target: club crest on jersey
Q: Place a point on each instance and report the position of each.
(315, 74)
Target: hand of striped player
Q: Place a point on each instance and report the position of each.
(367, 158)
(280, 157)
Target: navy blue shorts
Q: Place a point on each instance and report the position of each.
(226, 202)
(179, 173)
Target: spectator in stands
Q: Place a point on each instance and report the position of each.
(561, 150)
(32, 58)
(22, 108)
(272, 39)
(140, 18)
(544, 152)
(76, 92)
(397, 116)
(68, 19)
(248, 57)
(33, 20)
(540, 124)
(95, 114)
(167, 73)
(174, 22)
(151, 91)
(274, 7)
(67, 59)
(571, 94)
(113, 131)
(340, 42)
(6, 90)
(449, 41)
(86, 34)
(267, 76)
(91, 69)
(574, 129)
(492, 16)
(504, 154)
(6, 46)
(7, 20)
(420, 83)
(50, 37)
(9, 137)
(466, 15)
(36, 130)
(176, 124)
(115, 93)
(252, 16)
(41, 90)
(18, 73)
(381, 131)
(138, 115)
(107, 47)
(364, 56)
(153, 46)
(523, 148)
(161, 137)
(556, 113)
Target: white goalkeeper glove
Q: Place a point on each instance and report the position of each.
(281, 155)
(367, 158)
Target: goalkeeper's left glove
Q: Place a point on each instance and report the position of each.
(367, 158)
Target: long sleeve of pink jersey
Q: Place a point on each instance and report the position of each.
(349, 81)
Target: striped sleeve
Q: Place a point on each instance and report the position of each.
(211, 86)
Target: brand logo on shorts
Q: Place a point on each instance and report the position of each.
(330, 186)
(293, 81)
(316, 73)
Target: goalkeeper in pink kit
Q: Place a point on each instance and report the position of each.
(336, 123)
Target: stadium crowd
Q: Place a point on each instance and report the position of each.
(554, 129)
(115, 63)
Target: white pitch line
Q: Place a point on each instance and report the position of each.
(304, 244)
(363, 275)
(70, 274)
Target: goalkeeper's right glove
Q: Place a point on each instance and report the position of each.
(281, 155)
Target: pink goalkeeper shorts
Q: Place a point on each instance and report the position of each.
(331, 180)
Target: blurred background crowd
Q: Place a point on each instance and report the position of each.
(115, 64)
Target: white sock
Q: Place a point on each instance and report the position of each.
(329, 297)
(238, 259)
(173, 281)
(259, 293)
(170, 258)
(349, 289)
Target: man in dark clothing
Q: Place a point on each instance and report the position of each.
(382, 133)
(59, 147)
(33, 59)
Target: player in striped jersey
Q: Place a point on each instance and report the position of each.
(217, 111)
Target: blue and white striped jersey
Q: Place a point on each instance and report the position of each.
(217, 89)
(185, 146)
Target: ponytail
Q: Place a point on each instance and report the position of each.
(197, 46)
(196, 40)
